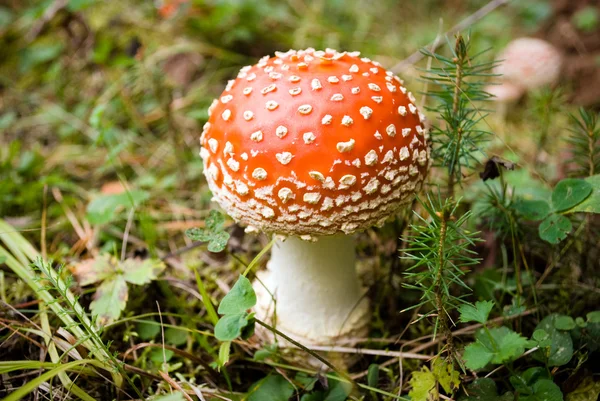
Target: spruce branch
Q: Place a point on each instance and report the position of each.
(585, 144)
(458, 83)
(441, 249)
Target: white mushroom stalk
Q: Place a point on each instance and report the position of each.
(318, 295)
(314, 145)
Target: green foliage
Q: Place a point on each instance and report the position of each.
(569, 196)
(230, 327)
(586, 19)
(559, 351)
(564, 323)
(592, 203)
(39, 54)
(478, 313)
(240, 298)
(240, 23)
(496, 345)
(112, 293)
(271, 388)
(535, 384)
(213, 233)
(593, 317)
(170, 397)
(484, 389)
(110, 299)
(224, 353)
(542, 390)
(533, 12)
(338, 391)
(102, 209)
(424, 382)
(555, 228)
(373, 375)
(147, 331)
(78, 5)
(160, 355)
(175, 336)
(236, 320)
(23, 177)
(588, 390)
(532, 209)
(446, 375)
(502, 209)
(569, 193)
(268, 351)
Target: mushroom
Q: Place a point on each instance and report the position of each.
(525, 64)
(314, 146)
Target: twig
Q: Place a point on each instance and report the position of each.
(469, 329)
(185, 249)
(434, 46)
(471, 19)
(126, 233)
(302, 347)
(522, 355)
(177, 351)
(43, 246)
(464, 330)
(84, 237)
(162, 333)
(48, 15)
(366, 351)
(174, 384)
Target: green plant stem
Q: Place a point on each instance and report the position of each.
(545, 128)
(591, 151)
(258, 257)
(455, 106)
(210, 309)
(490, 337)
(303, 348)
(439, 301)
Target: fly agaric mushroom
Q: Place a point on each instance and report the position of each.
(525, 64)
(314, 145)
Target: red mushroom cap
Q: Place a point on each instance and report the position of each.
(313, 143)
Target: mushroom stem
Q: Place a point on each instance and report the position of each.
(316, 288)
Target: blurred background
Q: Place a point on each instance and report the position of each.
(90, 90)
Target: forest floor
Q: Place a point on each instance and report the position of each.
(103, 296)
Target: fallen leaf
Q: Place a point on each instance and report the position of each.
(93, 270)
